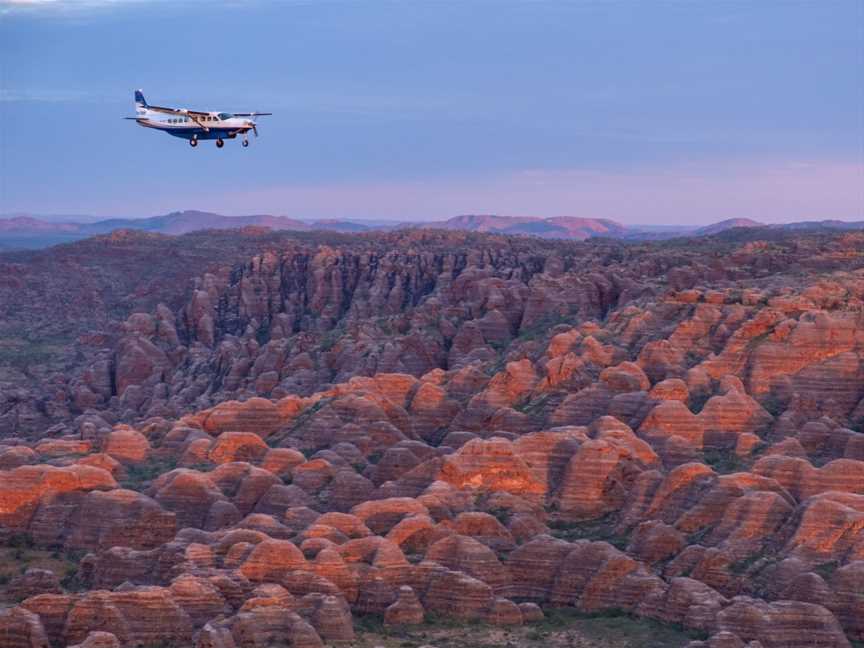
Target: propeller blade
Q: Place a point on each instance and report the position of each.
(255, 130)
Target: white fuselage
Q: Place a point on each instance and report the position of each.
(210, 126)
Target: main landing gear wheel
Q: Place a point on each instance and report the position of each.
(193, 142)
(220, 143)
(245, 143)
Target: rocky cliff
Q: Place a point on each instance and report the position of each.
(300, 433)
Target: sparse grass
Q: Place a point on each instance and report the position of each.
(773, 405)
(140, 476)
(302, 419)
(619, 624)
(698, 400)
(698, 536)
(21, 352)
(723, 461)
(533, 407)
(18, 554)
(691, 359)
(742, 566)
(503, 515)
(562, 627)
(331, 339)
(541, 328)
(595, 530)
(826, 570)
(375, 457)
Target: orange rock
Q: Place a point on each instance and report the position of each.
(653, 541)
(139, 615)
(685, 601)
(847, 584)
(21, 489)
(103, 519)
(431, 409)
(103, 461)
(625, 377)
(237, 446)
(534, 567)
(330, 564)
(458, 595)
(830, 527)
(672, 418)
(464, 554)
(563, 342)
(596, 480)
(313, 475)
(803, 480)
(547, 452)
(126, 445)
(484, 528)
(189, 494)
(491, 465)
(270, 560)
(14, 456)
(732, 414)
(62, 447)
(99, 639)
(406, 610)
(199, 598)
(670, 389)
(256, 415)
(281, 461)
(20, 628)
(332, 619)
(783, 624)
(504, 612)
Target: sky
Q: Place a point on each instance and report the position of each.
(661, 112)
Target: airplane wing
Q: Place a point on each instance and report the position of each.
(191, 114)
(252, 114)
(177, 111)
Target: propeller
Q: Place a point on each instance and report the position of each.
(251, 124)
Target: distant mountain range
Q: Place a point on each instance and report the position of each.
(24, 231)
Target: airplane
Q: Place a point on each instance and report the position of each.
(194, 125)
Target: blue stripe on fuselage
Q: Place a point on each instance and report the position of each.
(201, 134)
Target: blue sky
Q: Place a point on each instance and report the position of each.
(645, 112)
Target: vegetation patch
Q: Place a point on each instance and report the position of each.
(826, 570)
(18, 553)
(723, 461)
(601, 529)
(140, 476)
(742, 566)
(562, 627)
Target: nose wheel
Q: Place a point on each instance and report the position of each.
(193, 142)
(220, 143)
(245, 143)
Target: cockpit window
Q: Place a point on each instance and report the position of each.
(225, 115)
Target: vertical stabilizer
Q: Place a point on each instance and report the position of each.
(140, 102)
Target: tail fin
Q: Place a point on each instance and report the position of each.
(140, 101)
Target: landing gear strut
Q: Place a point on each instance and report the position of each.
(245, 142)
(220, 143)
(193, 142)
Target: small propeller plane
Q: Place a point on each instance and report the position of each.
(194, 125)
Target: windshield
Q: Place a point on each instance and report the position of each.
(225, 115)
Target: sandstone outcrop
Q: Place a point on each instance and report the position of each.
(425, 423)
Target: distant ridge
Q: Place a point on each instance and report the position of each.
(729, 223)
(24, 231)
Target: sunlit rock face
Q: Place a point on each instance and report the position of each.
(427, 424)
